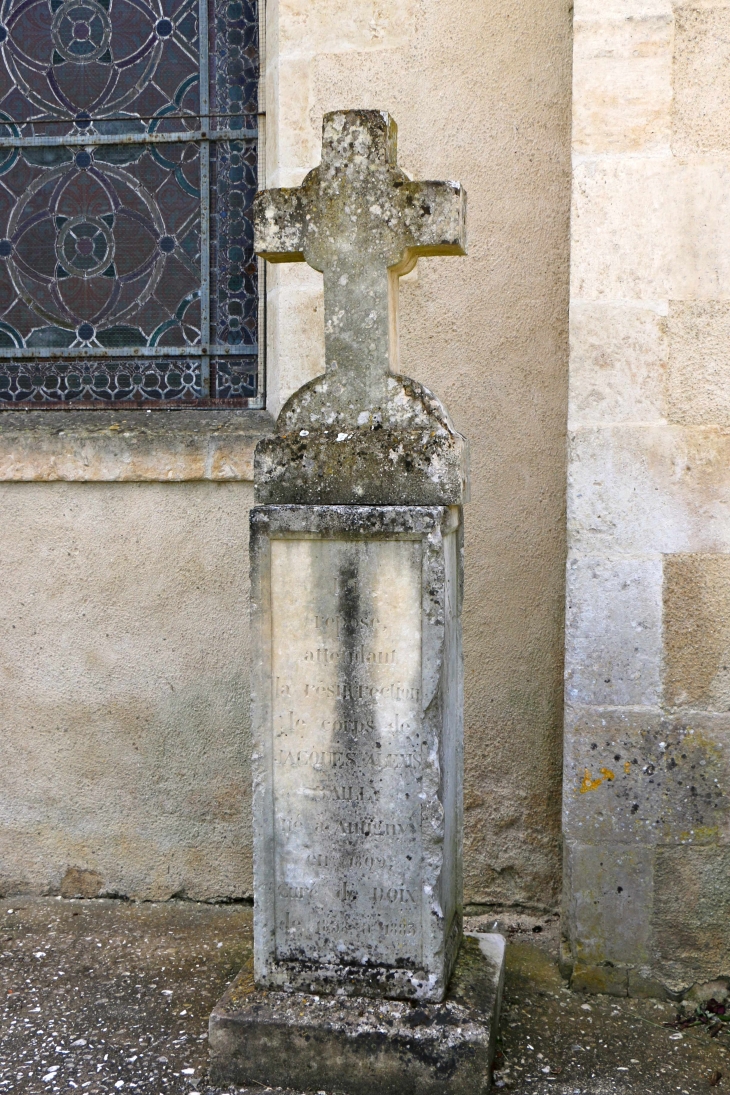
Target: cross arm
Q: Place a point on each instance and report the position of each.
(435, 218)
(280, 225)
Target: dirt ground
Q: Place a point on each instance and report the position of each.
(109, 996)
(555, 1040)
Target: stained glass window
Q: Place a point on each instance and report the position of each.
(128, 164)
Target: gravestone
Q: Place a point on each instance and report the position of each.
(356, 565)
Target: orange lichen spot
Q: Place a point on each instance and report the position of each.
(589, 784)
(608, 774)
(627, 766)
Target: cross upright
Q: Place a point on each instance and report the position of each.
(360, 221)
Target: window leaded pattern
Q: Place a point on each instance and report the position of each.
(128, 163)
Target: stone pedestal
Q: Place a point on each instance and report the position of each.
(358, 748)
(354, 1045)
(356, 570)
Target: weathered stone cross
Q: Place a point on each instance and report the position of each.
(360, 221)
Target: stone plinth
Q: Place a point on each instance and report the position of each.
(358, 748)
(333, 1043)
(356, 576)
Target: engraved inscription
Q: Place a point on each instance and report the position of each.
(348, 750)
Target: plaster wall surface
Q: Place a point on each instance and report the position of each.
(146, 777)
(647, 736)
(481, 93)
(124, 689)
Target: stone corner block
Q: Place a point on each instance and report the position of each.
(613, 643)
(609, 906)
(622, 83)
(618, 362)
(691, 914)
(679, 473)
(634, 776)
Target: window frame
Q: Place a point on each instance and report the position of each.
(206, 137)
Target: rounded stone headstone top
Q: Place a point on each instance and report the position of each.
(327, 402)
(329, 451)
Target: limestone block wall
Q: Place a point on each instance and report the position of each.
(647, 732)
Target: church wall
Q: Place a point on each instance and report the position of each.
(647, 640)
(124, 689)
(124, 652)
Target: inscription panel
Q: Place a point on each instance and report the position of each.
(348, 750)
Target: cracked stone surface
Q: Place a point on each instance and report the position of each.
(120, 996)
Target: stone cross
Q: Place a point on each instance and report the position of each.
(360, 221)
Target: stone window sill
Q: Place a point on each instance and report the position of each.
(130, 446)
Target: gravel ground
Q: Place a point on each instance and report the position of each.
(110, 996)
(106, 996)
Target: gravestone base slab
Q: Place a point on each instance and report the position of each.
(360, 1046)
